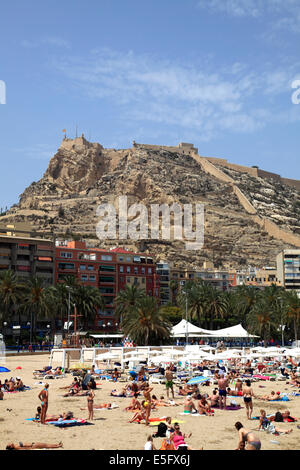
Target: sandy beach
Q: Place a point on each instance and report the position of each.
(111, 430)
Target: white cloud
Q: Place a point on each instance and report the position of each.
(281, 14)
(144, 88)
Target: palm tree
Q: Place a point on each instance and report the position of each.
(87, 300)
(174, 291)
(191, 298)
(215, 304)
(127, 299)
(246, 298)
(145, 324)
(262, 318)
(37, 301)
(11, 292)
(292, 310)
(60, 300)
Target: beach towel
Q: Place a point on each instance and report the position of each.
(230, 407)
(69, 423)
(158, 421)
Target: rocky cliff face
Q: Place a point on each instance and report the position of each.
(82, 175)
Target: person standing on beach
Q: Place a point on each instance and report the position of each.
(147, 402)
(169, 382)
(43, 396)
(247, 395)
(90, 402)
(222, 384)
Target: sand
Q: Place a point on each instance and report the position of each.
(111, 429)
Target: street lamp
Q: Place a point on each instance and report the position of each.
(30, 324)
(69, 310)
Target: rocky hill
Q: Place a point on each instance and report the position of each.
(81, 175)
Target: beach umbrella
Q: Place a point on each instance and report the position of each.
(4, 369)
(198, 380)
(107, 355)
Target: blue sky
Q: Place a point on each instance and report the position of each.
(217, 73)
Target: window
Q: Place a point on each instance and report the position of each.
(121, 269)
(143, 280)
(128, 280)
(66, 266)
(92, 277)
(90, 267)
(106, 290)
(128, 269)
(136, 270)
(106, 279)
(121, 258)
(84, 277)
(136, 259)
(107, 267)
(66, 254)
(82, 267)
(143, 270)
(128, 259)
(106, 257)
(149, 270)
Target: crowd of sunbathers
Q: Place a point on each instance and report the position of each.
(11, 385)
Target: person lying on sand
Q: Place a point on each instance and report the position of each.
(234, 393)
(99, 406)
(77, 393)
(271, 397)
(32, 445)
(76, 384)
(267, 425)
(123, 392)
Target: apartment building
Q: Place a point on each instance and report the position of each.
(109, 271)
(163, 271)
(27, 257)
(288, 269)
(217, 278)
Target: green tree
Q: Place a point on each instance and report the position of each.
(145, 324)
(11, 294)
(127, 299)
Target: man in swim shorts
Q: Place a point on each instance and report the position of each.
(169, 382)
(222, 384)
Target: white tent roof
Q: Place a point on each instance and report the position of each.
(184, 327)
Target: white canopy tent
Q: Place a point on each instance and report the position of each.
(185, 328)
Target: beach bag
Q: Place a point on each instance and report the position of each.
(167, 445)
(161, 430)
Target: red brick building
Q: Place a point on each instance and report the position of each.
(108, 271)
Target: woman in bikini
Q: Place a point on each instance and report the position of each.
(246, 436)
(32, 445)
(90, 402)
(147, 402)
(248, 394)
(140, 415)
(43, 396)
